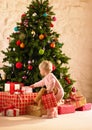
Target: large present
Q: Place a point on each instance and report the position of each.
(12, 87)
(65, 109)
(19, 101)
(49, 100)
(87, 106)
(35, 110)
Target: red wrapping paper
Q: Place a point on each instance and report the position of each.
(87, 106)
(13, 86)
(65, 109)
(49, 100)
(19, 101)
(12, 112)
(4, 109)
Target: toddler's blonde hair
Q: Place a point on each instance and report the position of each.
(46, 65)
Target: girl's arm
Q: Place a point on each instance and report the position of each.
(38, 84)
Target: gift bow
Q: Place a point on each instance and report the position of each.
(20, 91)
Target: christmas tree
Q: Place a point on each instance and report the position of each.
(33, 41)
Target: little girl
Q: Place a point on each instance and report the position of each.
(51, 83)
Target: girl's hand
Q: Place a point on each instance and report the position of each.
(32, 86)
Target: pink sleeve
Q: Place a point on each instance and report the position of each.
(41, 83)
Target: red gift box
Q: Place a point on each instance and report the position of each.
(13, 86)
(19, 101)
(65, 109)
(4, 110)
(12, 112)
(87, 106)
(49, 100)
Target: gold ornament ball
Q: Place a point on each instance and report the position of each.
(41, 36)
(22, 45)
(22, 36)
(59, 61)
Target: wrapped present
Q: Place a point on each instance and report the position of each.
(19, 101)
(4, 110)
(26, 89)
(76, 98)
(35, 110)
(65, 109)
(49, 100)
(77, 102)
(75, 95)
(12, 87)
(12, 112)
(87, 106)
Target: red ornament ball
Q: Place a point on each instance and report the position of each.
(23, 15)
(30, 67)
(68, 80)
(19, 65)
(51, 25)
(52, 45)
(54, 18)
(53, 67)
(18, 43)
(73, 89)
